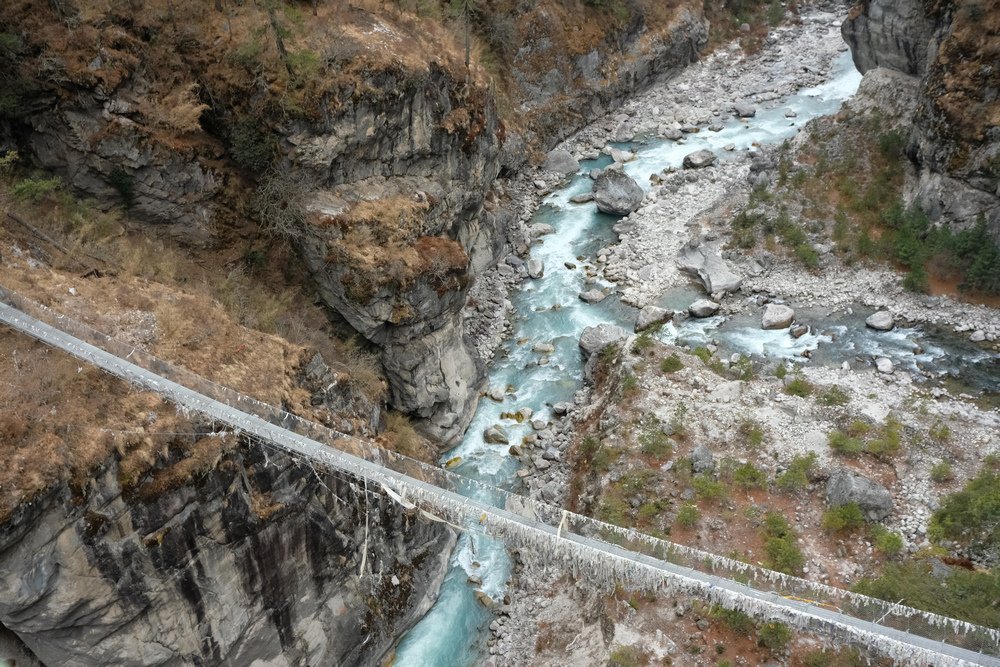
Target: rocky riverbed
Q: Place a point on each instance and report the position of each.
(688, 210)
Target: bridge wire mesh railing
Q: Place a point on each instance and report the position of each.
(576, 535)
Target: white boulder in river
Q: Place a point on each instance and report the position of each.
(699, 159)
(617, 193)
(884, 365)
(703, 308)
(535, 269)
(881, 321)
(592, 296)
(651, 316)
(595, 339)
(776, 316)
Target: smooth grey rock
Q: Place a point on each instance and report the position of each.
(561, 408)
(595, 339)
(544, 348)
(651, 316)
(884, 365)
(495, 435)
(593, 296)
(881, 321)
(535, 268)
(846, 486)
(673, 134)
(539, 229)
(713, 271)
(582, 198)
(702, 459)
(977, 336)
(776, 316)
(703, 308)
(562, 162)
(617, 193)
(744, 110)
(699, 159)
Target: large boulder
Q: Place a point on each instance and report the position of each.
(713, 271)
(562, 162)
(536, 269)
(699, 159)
(744, 110)
(881, 321)
(594, 339)
(592, 296)
(846, 486)
(776, 316)
(703, 308)
(617, 193)
(651, 316)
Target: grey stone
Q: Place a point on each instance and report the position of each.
(495, 435)
(702, 459)
(582, 198)
(699, 159)
(881, 321)
(776, 316)
(744, 110)
(593, 296)
(617, 193)
(651, 316)
(978, 336)
(846, 486)
(595, 339)
(703, 308)
(539, 229)
(714, 272)
(544, 348)
(884, 365)
(562, 162)
(535, 268)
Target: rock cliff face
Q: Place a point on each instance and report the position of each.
(396, 233)
(261, 561)
(950, 48)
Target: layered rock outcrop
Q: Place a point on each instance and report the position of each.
(949, 48)
(261, 561)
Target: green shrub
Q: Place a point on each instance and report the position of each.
(941, 472)
(707, 488)
(743, 369)
(843, 518)
(799, 386)
(847, 657)
(833, 396)
(807, 255)
(688, 515)
(748, 476)
(702, 353)
(671, 364)
(643, 342)
(781, 552)
(250, 146)
(841, 443)
(964, 594)
(971, 516)
(858, 428)
(940, 433)
(625, 656)
(752, 433)
(796, 476)
(886, 541)
(736, 621)
(889, 441)
(652, 440)
(781, 371)
(35, 189)
(774, 635)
